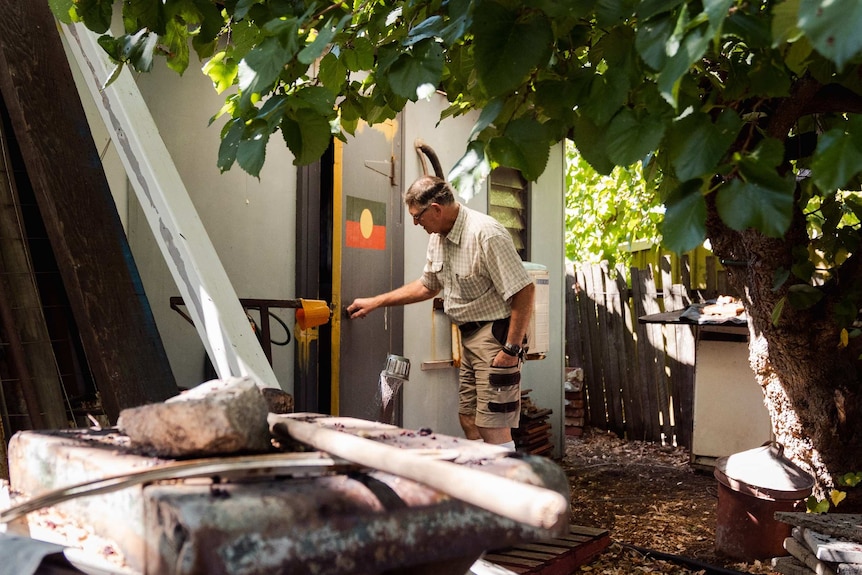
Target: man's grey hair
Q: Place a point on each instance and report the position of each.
(429, 190)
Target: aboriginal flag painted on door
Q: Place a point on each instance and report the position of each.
(366, 224)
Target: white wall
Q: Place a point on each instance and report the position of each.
(548, 247)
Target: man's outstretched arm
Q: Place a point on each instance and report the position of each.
(413, 292)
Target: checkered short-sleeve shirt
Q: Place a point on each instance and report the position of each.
(477, 267)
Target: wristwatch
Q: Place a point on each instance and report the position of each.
(513, 349)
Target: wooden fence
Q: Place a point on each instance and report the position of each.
(638, 376)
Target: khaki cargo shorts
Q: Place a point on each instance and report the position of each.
(493, 394)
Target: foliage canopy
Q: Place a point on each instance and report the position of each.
(742, 110)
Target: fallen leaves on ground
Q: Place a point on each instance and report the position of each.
(652, 501)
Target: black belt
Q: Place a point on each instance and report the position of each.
(471, 326)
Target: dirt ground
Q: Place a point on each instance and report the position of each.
(650, 499)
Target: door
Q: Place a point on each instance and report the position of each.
(367, 260)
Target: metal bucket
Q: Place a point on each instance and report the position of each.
(752, 486)
(397, 366)
(393, 376)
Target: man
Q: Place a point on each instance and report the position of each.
(486, 292)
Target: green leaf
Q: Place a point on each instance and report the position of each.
(307, 134)
(176, 39)
(428, 29)
(486, 117)
(850, 479)
(610, 12)
(743, 205)
(813, 505)
(324, 36)
(769, 78)
(470, 171)
(508, 46)
(716, 11)
(590, 139)
(318, 98)
(833, 28)
(260, 68)
(211, 20)
(416, 75)
(569, 9)
(242, 8)
(252, 147)
(558, 99)
(696, 145)
(359, 55)
(230, 138)
(96, 14)
(460, 21)
(781, 275)
(136, 49)
(607, 92)
(681, 57)
(631, 138)
(784, 22)
(221, 71)
(684, 224)
(803, 296)
(145, 14)
(62, 10)
(652, 36)
(524, 145)
(838, 156)
(649, 8)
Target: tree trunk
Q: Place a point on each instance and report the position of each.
(810, 382)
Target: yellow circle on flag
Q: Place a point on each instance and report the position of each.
(366, 223)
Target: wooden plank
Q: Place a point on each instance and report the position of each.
(559, 556)
(829, 548)
(667, 392)
(24, 318)
(631, 395)
(649, 358)
(523, 553)
(684, 370)
(4, 458)
(507, 560)
(118, 332)
(611, 326)
(588, 531)
(548, 547)
(593, 379)
(573, 344)
(844, 525)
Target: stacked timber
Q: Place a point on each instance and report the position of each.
(821, 544)
(574, 390)
(533, 434)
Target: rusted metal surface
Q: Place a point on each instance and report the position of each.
(752, 486)
(368, 523)
(331, 521)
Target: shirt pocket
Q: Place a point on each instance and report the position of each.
(472, 286)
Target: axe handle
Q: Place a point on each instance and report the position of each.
(530, 504)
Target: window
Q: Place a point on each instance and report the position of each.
(508, 203)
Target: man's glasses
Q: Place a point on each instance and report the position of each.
(418, 216)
